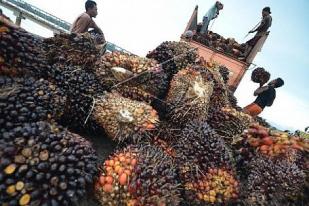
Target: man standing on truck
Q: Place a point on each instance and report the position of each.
(261, 30)
(212, 13)
(85, 22)
(265, 97)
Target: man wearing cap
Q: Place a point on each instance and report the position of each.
(261, 30)
(212, 13)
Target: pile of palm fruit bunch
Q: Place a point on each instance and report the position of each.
(195, 148)
(213, 40)
(21, 52)
(260, 75)
(146, 78)
(138, 175)
(76, 49)
(44, 164)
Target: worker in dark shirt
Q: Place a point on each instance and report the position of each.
(261, 30)
(265, 97)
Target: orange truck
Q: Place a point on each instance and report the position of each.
(236, 66)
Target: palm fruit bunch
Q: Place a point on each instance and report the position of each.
(200, 145)
(42, 164)
(80, 86)
(75, 49)
(21, 52)
(225, 73)
(217, 186)
(123, 118)
(273, 182)
(98, 38)
(188, 97)
(229, 122)
(136, 176)
(132, 76)
(274, 143)
(201, 155)
(174, 55)
(260, 75)
(233, 100)
(25, 99)
(261, 121)
(219, 96)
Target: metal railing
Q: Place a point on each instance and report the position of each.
(38, 14)
(49, 20)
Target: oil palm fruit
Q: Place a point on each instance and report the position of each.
(138, 175)
(43, 164)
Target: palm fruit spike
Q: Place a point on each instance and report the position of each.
(123, 118)
(199, 148)
(27, 99)
(81, 86)
(135, 93)
(188, 97)
(21, 52)
(260, 75)
(76, 49)
(116, 70)
(273, 181)
(228, 122)
(274, 143)
(217, 186)
(178, 54)
(165, 145)
(43, 164)
(138, 175)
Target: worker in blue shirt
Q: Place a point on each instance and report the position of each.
(212, 13)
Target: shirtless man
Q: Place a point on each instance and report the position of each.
(85, 22)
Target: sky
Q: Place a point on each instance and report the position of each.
(140, 25)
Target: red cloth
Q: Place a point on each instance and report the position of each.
(253, 109)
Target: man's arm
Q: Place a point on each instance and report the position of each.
(263, 22)
(94, 26)
(260, 90)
